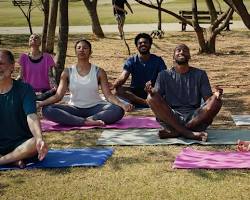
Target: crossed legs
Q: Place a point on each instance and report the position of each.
(127, 93)
(26, 150)
(204, 115)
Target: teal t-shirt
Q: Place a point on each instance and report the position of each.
(15, 105)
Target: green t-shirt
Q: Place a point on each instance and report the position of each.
(15, 105)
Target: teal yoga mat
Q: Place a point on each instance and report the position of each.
(150, 137)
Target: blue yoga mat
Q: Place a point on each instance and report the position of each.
(61, 158)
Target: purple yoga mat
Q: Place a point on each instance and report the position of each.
(190, 159)
(124, 123)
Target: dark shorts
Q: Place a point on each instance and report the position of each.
(140, 92)
(183, 119)
(12, 147)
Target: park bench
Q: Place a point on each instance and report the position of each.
(203, 18)
(21, 3)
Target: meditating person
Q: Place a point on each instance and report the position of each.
(143, 67)
(37, 69)
(85, 106)
(21, 135)
(176, 99)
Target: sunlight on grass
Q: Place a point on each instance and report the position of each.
(143, 172)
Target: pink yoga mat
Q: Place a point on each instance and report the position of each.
(124, 123)
(190, 159)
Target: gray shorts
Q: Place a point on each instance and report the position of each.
(120, 19)
(183, 119)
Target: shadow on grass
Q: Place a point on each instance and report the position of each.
(218, 175)
(3, 188)
(142, 156)
(73, 139)
(233, 104)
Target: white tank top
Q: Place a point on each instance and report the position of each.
(84, 89)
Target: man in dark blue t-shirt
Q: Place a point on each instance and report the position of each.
(119, 13)
(176, 99)
(143, 67)
(20, 132)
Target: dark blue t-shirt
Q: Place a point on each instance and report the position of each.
(15, 105)
(142, 72)
(120, 4)
(183, 92)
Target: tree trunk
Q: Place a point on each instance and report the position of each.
(240, 8)
(52, 26)
(212, 10)
(45, 5)
(159, 2)
(62, 38)
(96, 27)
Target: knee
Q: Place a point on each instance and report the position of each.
(214, 105)
(47, 110)
(117, 114)
(152, 99)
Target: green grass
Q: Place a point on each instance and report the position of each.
(143, 172)
(78, 14)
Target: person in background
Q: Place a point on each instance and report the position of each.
(120, 13)
(37, 69)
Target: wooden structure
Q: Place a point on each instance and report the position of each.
(203, 18)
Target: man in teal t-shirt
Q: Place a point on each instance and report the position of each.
(20, 135)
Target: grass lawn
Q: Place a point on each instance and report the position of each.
(144, 172)
(78, 15)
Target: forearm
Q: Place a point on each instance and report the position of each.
(34, 125)
(51, 100)
(119, 82)
(114, 100)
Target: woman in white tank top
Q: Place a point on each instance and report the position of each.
(85, 107)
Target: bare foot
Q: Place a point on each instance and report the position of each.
(20, 164)
(243, 145)
(91, 122)
(201, 136)
(163, 134)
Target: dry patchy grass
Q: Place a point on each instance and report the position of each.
(144, 172)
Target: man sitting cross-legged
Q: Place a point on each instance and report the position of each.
(176, 99)
(20, 135)
(142, 67)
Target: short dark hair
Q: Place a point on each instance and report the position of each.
(83, 40)
(9, 55)
(143, 35)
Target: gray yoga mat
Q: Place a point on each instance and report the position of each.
(241, 120)
(150, 137)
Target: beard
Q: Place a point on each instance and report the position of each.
(144, 52)
(181, 62)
